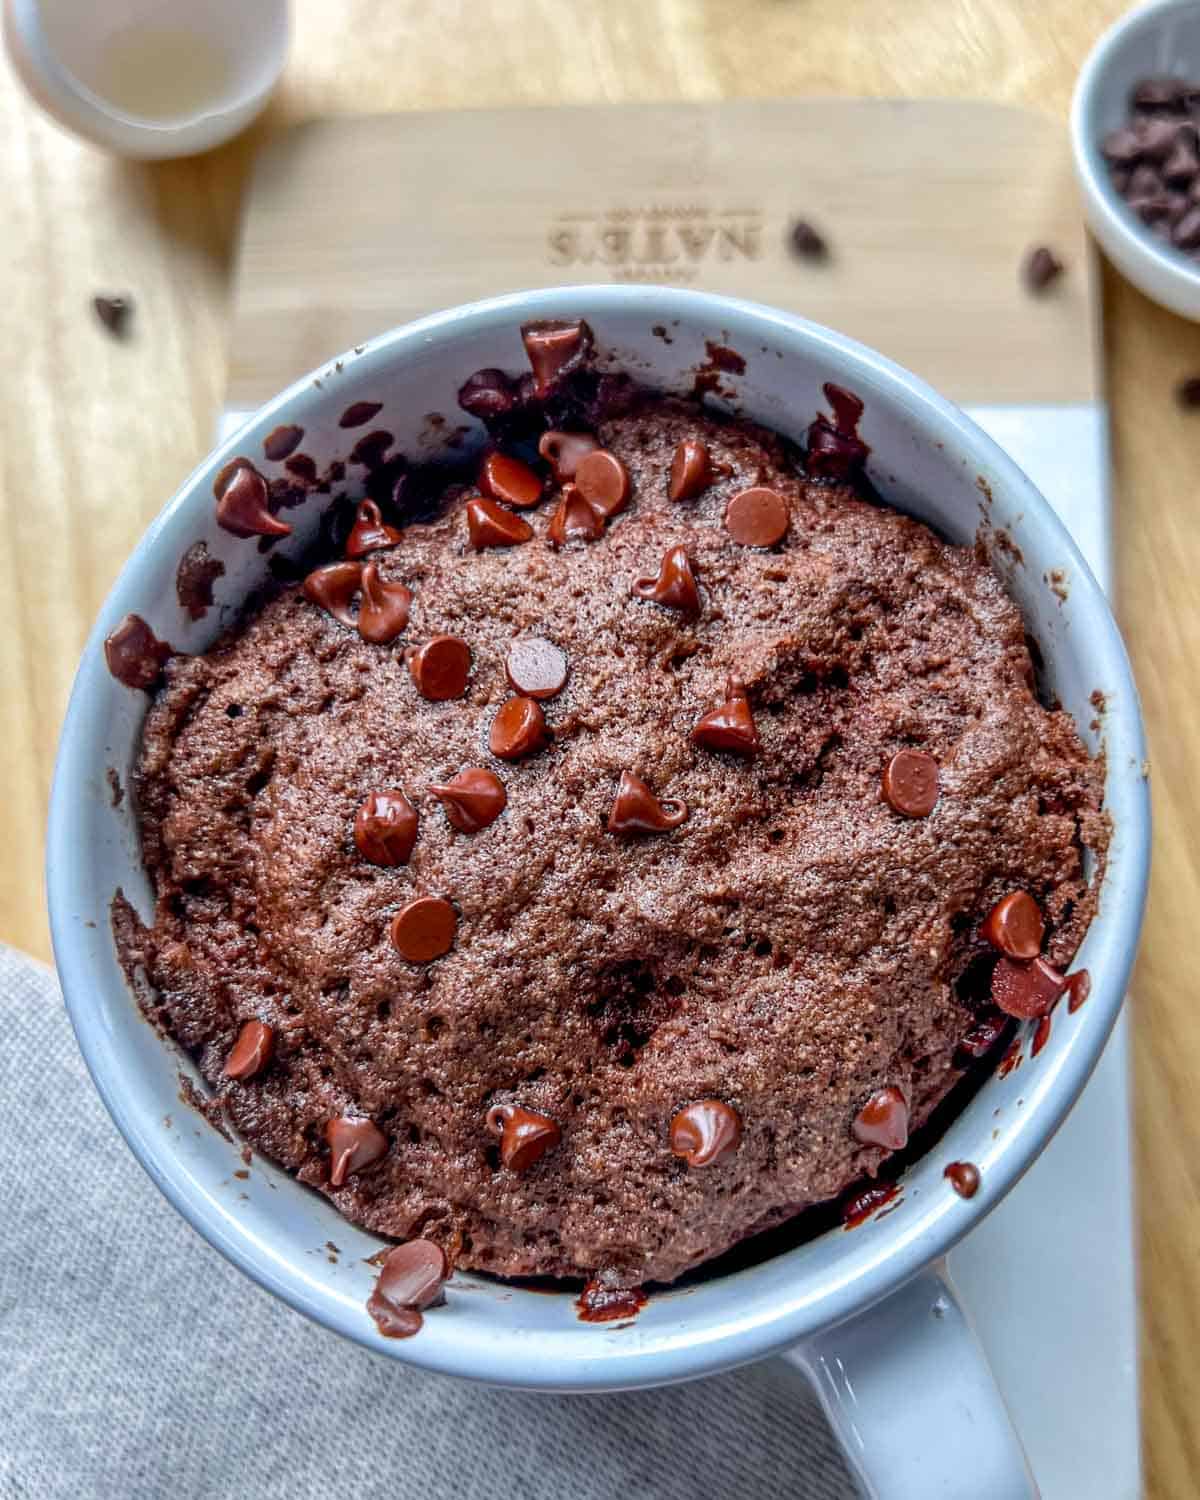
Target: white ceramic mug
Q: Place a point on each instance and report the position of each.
(868, 1313)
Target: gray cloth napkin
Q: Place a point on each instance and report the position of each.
(135, 1362)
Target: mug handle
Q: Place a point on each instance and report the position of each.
(913, 1401)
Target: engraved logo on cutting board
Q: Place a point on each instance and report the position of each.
(655, 241)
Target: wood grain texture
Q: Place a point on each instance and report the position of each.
(703, 195)
(94, 435)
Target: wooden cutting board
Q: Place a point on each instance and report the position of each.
(354, 225)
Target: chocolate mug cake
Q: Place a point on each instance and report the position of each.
(596, 858)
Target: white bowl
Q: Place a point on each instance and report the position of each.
(904, 1380)
(149, 79)
(1160, 39)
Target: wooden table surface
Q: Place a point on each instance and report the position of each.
(95, 434)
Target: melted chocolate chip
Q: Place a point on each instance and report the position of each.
(251, 1052)
(1026, 990)
(333, 589)
(474, 799)
(536, 668)
(359, 413)
(424, 929)
(440, 668)
(859, 1206)
(303, 468)
(637, 810)
(242, 508)
(563, 450)
(383, 613)
(385, 828)
(371, 449)
(911, 783)
(883, 1120)
(135, 655)
(113, 312)
(370, 531)
(598, 1303)
(704, 1132)
(833, 449)
(411, 1279)
(963, 1177)
(1014, 926)
(731, 726)
(519, 729)
(488, 395)
(691, 472)
(603, 481)
(757, 517)
(1041, 1035)
(354, 1144)
(555, 348)
(490, 525)
(525, 1137)
(982, 1037)
(194, 578)
(675, 587)
(281, 443)
(508, 479)
(574, 520)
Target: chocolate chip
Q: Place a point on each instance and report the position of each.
(354, 1144)
(1187, 392)
(487, 395)
(410, 1279)
(1026, 990)
(675, 587)
(519, 729)
(525, 1136)
(536, 668)
(883, 1120)
(490, 525)
(637, 810)
(603, 481)
(1157, 136)
(1186, 233)
(1182, 164)
(705, 1132)
(1079, 987)
(691, 473)
(806, 242)
(1157, 93)
(282, 442)
(508, 479)
(385, 828)
(555, 348)
(563, 450)
(383, 613)
(912, 783)
(729, 727)
(424, 929)
(333, 588)
(251, 1052)
(574, 520)
(757, 517)
(1122, 146)
(440, 668)
(242, 508)
(303, 468)
(135, 655)
(473, 800)
(1041, 267)
(1014, 926)
(370, 531)
(963, 1177)
(982, 1037)
(113, 312)
(1144, 181)
(359, 413)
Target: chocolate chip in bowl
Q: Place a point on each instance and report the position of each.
(492, 860)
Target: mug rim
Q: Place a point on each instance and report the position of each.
(910, 1241)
